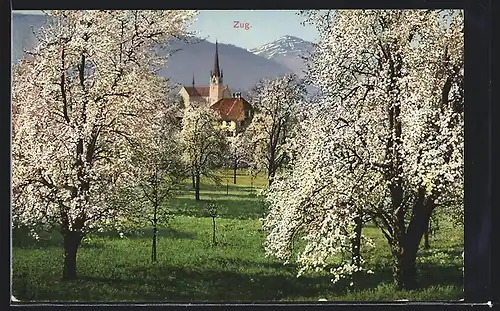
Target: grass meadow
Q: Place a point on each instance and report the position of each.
(190, 269)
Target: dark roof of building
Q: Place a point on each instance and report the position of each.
(203, 91)
(231, 109)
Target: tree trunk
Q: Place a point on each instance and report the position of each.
(193, 180)
(356, 245)
(270, 177)
(271, 169)
(235, 168)
(153, 246)
(405, 271)
(72, 241)
(197, 187)
(407, 247)
(356, 242)
(426, 236)
(213, 231)
(155, 233)
(155, 217)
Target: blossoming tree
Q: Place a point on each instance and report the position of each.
(203, 142)
(384, 142)
(240, 151)
(157, 167)
(79, 107)
(276, 103)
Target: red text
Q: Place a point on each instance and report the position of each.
(238, 24)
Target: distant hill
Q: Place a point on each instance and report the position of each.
(242, 68)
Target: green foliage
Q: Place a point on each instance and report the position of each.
(212, 209)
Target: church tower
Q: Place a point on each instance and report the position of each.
(216, 79)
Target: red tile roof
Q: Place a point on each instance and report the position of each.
(231, 109)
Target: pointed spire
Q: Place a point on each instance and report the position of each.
(216, 71)
(193, 79)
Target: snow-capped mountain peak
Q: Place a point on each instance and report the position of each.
(287, 51)
(284, 46)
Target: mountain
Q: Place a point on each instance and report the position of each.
(242, 68)
(286, 51)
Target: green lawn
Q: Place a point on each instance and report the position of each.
(190, 269)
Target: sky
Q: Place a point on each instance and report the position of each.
(264, 26)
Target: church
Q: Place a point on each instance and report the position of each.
(234, 111)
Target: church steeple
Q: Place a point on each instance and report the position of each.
(216, 71)
(216, 87)
(193, 79)
(216, 75)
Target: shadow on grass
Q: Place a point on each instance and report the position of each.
(176, 284)
(234, 280)
(148, 232)
(163, 282)
(222, 188)
(219, 197)
(43, 244)
(427, 276)
(454, 251)
(22, 239)
(222, 196)
(232, 209)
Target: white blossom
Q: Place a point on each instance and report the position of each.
(203, 143)
(277, 104)
(380, 121)
(79, 101)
